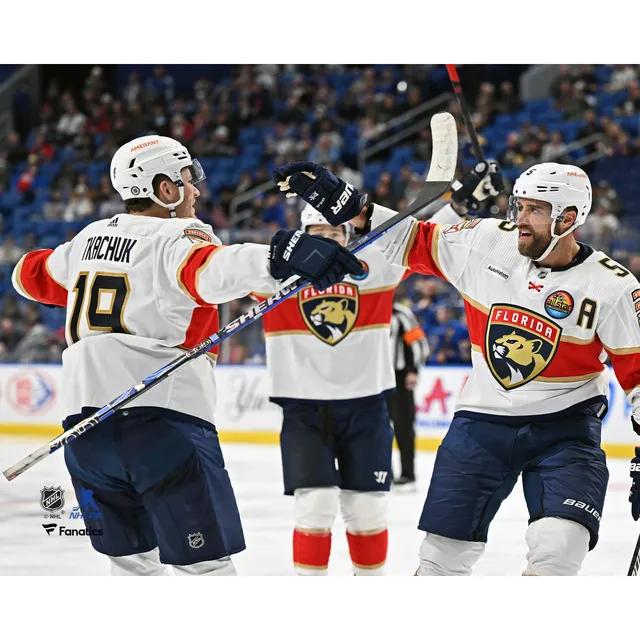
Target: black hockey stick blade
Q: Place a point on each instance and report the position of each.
(635, 560)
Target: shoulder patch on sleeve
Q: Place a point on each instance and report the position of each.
(461, 226)
(195, 235)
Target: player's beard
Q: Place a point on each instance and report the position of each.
(534, 245)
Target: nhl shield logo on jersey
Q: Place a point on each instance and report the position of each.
(196, 540)
(330, 314)
(519, 344)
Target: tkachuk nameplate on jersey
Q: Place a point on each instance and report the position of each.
(519, 344)
(330, 314)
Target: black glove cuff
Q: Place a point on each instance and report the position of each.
(367, 226)
(636, 426)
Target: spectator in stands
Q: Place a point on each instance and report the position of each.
(600, 228)
(54, 208)
(631, 104)
(15, 151)
(586, 79)
(447, 337)
(159, 87)
(508, 101)
(621, 76)
(352, 176)
(25, 184)
(555, 150)
(10, 335)
(591, 126)
(325, 150)
(605, 196)
(10, 308)
(66, 179)
(133, 92)
(634, 265)
(80, 207)
(559, 84)
(512, 156)
(576, 105)
(71, 123)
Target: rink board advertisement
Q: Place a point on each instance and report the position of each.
(30, 403)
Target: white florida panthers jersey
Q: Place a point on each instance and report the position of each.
(138, 289)
(539, 336)
(334, 344)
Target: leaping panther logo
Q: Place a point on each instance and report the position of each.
(330, 314)
(519, 344)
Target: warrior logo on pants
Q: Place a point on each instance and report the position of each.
(519, 344)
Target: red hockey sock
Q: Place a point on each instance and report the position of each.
(368, 549)
(311, 549)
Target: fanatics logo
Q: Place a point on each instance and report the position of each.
(519, 344)
(330, 314)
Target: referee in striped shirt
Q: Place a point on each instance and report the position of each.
(410, 351)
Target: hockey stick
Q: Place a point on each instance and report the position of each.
(635, 560)
(471, 130)
(441, 172)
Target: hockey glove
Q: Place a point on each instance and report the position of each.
(321, 260)
(337, 200)
(634, 494)
(482, 182)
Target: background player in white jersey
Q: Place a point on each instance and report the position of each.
(138, 288)
(543, 313)
(330, 366)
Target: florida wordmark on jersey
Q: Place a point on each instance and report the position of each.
(137, 290)
(539, 336)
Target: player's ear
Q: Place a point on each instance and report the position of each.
(568, 218)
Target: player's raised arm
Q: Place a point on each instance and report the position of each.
(42, 275)
(211, 273)
(424, 247)
(619, 332)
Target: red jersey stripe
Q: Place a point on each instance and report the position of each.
(423, 249)
(190, 269)
(35, 279)
(204, 322)
(572, 359)
(374, 309)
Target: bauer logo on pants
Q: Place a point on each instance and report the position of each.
(519, 344)
(330, 314)
(196, 540)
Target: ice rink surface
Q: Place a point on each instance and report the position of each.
(26, 549)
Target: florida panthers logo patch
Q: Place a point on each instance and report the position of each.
(196, 235)
(330, 314)
(519, 344)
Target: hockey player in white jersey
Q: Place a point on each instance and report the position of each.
(544, 311)
(330, 368)
(138, 288)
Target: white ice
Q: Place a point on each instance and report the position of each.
(25, 548)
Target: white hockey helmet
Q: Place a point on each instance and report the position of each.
(136, 163)
(311, 216)
(562, 186)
